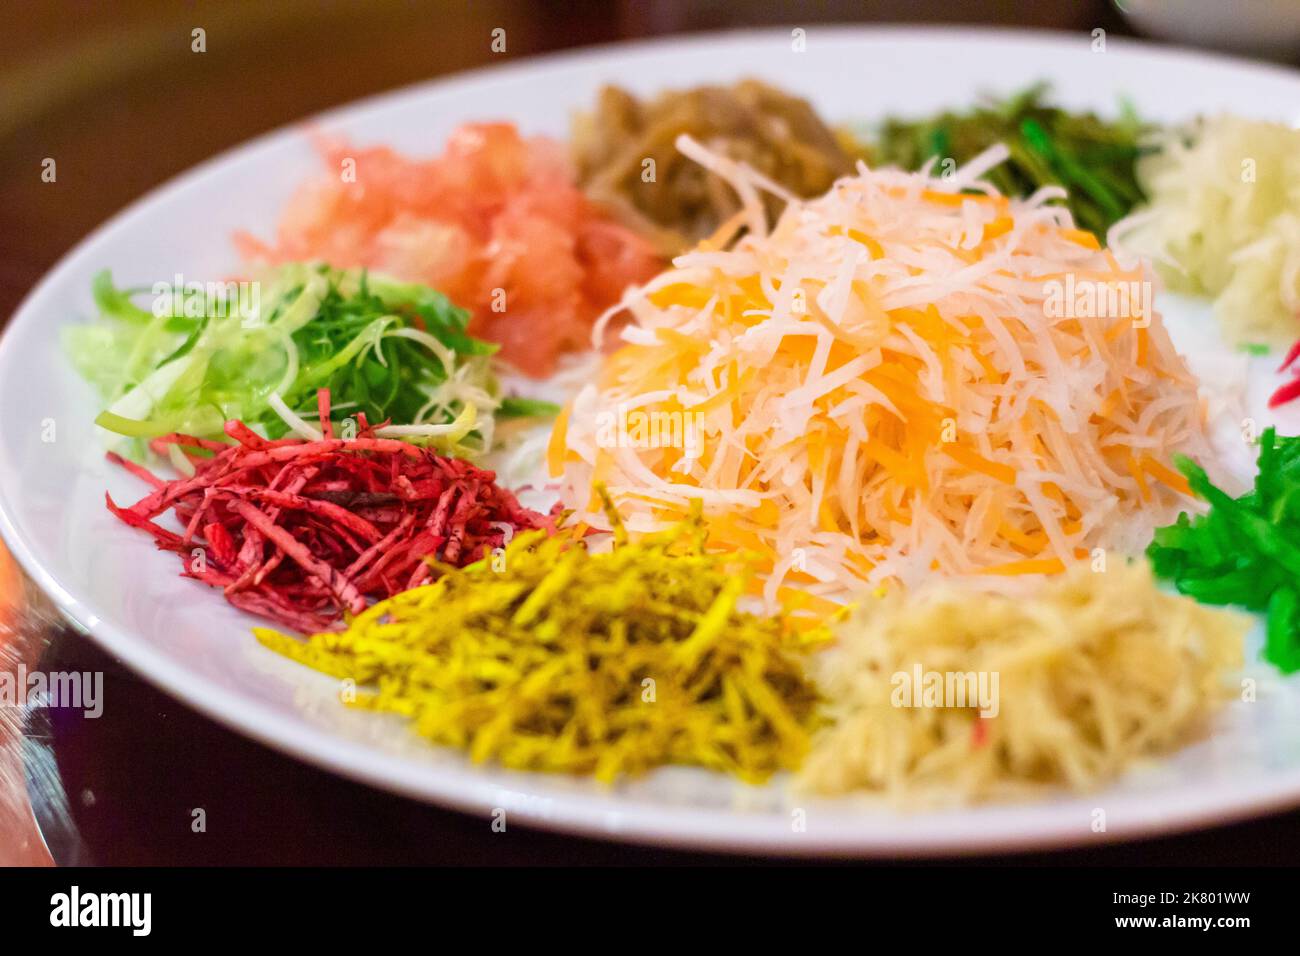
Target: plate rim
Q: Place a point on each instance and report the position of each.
(608, 815)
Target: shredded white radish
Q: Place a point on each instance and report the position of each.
(296, 423)
(182, 464)
(898, 378)
(1224, 221)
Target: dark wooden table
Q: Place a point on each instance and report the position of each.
(116, 95)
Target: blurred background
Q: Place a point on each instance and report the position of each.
(116, 93)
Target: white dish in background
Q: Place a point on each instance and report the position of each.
(1257, 26)
(186, 639)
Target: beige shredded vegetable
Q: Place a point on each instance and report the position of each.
(1076, 680)
(1224, 222)
(547, 656)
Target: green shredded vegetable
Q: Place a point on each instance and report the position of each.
(203, 354)
(1092, 158)
(1245, 551)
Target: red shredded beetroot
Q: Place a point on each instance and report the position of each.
(302, 531)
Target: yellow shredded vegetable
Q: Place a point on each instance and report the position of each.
(547, 656)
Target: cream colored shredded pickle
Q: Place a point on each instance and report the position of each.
(1092, 672)
(550, 657)
(1224, 222)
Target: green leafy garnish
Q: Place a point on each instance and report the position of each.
(1094, 159)
(393, 351)
(1244, 551)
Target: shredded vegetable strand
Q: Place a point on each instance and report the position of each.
(900, 378)
(950, 693)
(547, 656)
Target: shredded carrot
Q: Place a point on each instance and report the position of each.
(998, 227)
(1136, 471)
(1081, 236)
(858, 424)
(555, 447)
(1166, 474)
(1029, 566)
(975, 462)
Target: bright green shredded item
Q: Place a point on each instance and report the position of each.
(1245, 551)
(546, 656)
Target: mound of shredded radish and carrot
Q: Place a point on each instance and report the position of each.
(304, 532)
(905, 375)
(496, 223)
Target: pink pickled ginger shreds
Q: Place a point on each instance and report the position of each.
(495, 222)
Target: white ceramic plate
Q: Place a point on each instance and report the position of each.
(110, 580)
